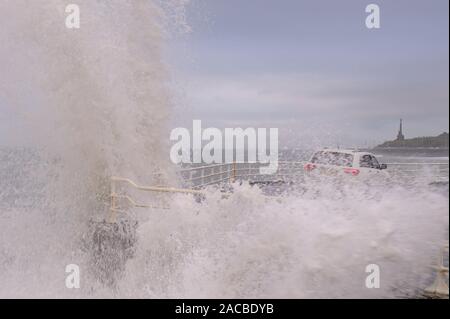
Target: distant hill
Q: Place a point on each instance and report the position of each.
(441, 141)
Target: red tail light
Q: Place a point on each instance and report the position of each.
(309, 167)
(352, 171)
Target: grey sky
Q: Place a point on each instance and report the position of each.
(307, 66)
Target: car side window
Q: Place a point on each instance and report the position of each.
(375, 163)
(369, 161)
(366, 161)
(315, 157)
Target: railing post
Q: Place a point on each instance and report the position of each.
(191, 176)
(440, 288)
(202, 174)
(233, 172)
(113, 212)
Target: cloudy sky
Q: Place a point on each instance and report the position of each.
(313, 69)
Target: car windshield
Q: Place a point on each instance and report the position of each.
(333, 158)
(369, 161)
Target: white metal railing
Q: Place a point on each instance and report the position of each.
(201, 176)
(115, 197)
(195, 178)
(417, 172)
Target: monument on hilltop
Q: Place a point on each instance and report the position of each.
(440, 141)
